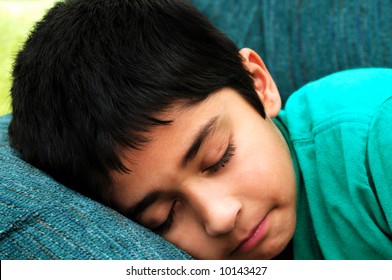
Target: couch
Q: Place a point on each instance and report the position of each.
(299, 40)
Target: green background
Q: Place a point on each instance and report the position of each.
(16, 20)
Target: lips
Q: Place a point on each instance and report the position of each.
(254, 237)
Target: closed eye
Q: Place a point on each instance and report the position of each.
(165, 226)
(224, 160)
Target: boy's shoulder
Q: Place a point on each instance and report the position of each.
(339, 128)
(350, 94)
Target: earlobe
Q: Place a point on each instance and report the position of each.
(263, 82)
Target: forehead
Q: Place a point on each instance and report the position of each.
(168, 142)
(185, 122)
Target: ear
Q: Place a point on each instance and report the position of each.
(263, 82)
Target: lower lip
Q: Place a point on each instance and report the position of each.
(254, 238)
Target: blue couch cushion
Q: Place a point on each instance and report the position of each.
(301, 41)
(42, 219)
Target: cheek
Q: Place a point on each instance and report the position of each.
(250, 163)
(263, 166)
(189, 235)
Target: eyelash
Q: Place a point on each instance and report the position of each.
(223, 161)
(165, 226)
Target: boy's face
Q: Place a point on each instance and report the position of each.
(217, 182)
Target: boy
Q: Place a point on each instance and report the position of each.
(146, 107)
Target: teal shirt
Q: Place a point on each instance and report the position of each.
(340, 134)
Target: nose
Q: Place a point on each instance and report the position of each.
(217, 210)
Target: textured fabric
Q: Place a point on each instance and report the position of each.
(301, 41)
(340, 129)
(41, 219)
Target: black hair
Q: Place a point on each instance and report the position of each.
(93, 75)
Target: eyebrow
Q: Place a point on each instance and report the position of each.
(199, 139)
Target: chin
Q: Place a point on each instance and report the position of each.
(274, 249)
(267, 252)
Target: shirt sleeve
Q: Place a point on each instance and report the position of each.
(380, 158)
